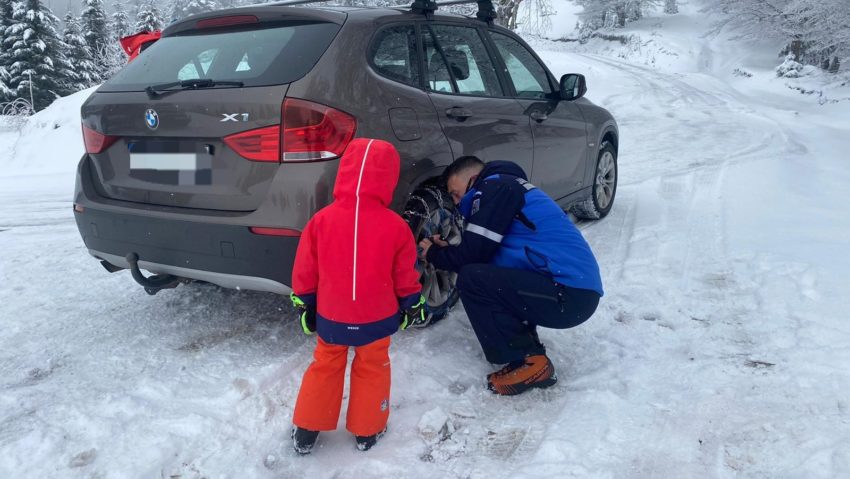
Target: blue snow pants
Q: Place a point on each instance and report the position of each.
(505, 306)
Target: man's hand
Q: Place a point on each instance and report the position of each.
(426, 244)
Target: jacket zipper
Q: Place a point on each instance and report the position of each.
(356, 221)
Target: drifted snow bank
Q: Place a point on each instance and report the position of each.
(48, 144)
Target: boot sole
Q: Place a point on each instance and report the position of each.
(521, 388)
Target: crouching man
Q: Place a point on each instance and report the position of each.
(521, 264)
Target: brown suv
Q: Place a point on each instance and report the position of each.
(207, 154)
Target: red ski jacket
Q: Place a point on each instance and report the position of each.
(356, 257)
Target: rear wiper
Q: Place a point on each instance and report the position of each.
(194, 84)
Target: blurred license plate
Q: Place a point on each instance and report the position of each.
(164, 161)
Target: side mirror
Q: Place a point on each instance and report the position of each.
(573, 86)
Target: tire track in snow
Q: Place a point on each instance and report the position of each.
(708, 128)
(673, 234)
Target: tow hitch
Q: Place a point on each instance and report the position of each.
(152, 284)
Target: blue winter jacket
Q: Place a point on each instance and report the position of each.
(513, 224)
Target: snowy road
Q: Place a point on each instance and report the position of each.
(721, 348)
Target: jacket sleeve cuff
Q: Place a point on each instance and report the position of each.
(308, 298)
(408, 301)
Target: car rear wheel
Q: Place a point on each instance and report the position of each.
(601, 198)
(429, 211)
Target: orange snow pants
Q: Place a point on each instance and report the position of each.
(320, 397)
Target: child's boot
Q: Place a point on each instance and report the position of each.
(303, 440)
(364, 443)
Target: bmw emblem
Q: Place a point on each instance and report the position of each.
(152, 119)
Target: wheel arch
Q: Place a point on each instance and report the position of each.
(610, 136)
(431, 176)
(610, 133)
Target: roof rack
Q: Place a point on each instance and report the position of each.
(486, 10)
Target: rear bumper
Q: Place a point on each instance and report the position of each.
(227, 255)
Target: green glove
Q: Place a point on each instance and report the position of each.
(414, 315)
(308, 314)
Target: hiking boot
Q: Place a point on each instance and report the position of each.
(364, 443)
(303, 440)
(535, 371)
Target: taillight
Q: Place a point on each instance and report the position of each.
(260, 230)
(226, 21)
(311, 132)
(95, 141)
(314, 132)
(262, 144)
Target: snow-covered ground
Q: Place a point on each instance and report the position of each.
(721, 348)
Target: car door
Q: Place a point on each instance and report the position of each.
(477, 117)
(557, 126)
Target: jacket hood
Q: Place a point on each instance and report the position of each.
(501, 168)
(369, 170)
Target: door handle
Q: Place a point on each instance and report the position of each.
(458, 113)
(538, 116)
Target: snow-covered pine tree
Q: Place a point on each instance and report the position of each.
(148, 19)
(85, 72)
(39, 66)
(94, 25)
(199, 6)
(120, 24)
(671, 6)
(6, 88)
(112, 58)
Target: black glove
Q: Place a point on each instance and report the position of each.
(414, 316)
(308, 313)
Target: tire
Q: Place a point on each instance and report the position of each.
(429, 211)
(601, 198)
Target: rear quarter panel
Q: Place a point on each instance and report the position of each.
(344, 80)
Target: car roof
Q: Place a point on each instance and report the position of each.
(364, 11)
(326, 12)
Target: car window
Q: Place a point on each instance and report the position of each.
(437, 75)
(394, 54)
(267, 55)
(458, 62)
(527, 74)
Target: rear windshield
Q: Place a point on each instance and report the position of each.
(274, 55)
